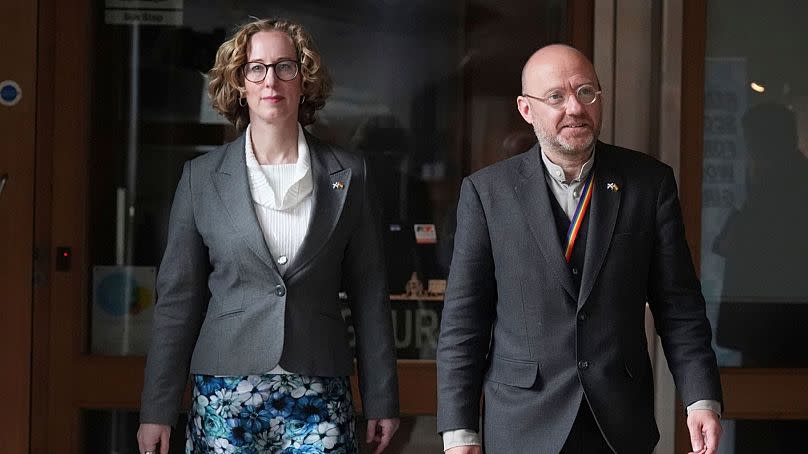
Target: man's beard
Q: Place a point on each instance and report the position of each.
(553, 142)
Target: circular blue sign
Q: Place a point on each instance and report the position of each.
(10, 93)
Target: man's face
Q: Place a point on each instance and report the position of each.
(573, 127)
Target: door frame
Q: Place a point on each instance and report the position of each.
(18, 42)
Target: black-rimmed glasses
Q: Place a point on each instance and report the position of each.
(557, 99)
(256, 72)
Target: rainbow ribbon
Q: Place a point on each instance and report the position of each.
(578, 218)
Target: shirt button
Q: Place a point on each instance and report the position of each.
(582, 316)
(280, 290)
(558, 173)
(575, 193)
(282, 260)
(583, 365)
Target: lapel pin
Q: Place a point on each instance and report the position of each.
(338, 185)
(612, 187)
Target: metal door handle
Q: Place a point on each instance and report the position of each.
(3, 180)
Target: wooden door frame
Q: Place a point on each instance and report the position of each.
(749, 393)
(18, 42)
(581, 37)
(60, 187)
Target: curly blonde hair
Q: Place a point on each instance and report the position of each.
(226, 84)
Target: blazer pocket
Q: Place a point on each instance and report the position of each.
(228, 314)
(512, 372)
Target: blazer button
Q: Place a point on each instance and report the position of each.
(583, 365)
(582, 316)
(280, 290)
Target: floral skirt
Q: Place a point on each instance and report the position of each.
(271, 413)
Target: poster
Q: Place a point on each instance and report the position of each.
(122, 309)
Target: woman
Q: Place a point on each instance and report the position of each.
(264, 233)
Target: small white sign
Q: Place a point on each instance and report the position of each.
(144, 17)
(140, 4)
(436, 286)
(425, 233)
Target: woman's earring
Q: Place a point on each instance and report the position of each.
(302, 99)
(242, 102)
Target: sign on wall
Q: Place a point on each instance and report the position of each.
(157, 12)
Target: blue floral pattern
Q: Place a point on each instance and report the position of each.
(271, 413)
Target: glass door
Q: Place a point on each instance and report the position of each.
(424, 90)
(748, 206)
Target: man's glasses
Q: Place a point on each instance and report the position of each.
(557, 99)
(256, 72)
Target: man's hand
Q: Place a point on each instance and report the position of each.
(381, 431)
(149, 436)
(464, 450)
(705, 431)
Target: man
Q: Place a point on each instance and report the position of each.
(548, 320)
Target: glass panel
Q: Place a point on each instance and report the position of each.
(754, 437)
(754, 215)
(416, 325)
(113, 431)
(424, 90)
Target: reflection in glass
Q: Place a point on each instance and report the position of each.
(755, 183)
(754, 216)
(424, 90)
(764, 296)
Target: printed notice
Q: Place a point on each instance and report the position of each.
(425, 233)
(123, 304)
(141, 4)
(157, 12)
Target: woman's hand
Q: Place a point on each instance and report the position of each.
(381, 431)
(150, 436)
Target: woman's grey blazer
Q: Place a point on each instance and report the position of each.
(223, 308)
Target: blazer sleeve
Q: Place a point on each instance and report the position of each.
(181, 294)
(677, 303)
(365, 281)
(467, 318)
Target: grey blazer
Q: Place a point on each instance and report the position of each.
(516, 327)
(224, 309)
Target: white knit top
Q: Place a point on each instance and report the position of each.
(282, 198)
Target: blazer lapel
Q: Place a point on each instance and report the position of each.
(230, 180)
(533, 196)
(602, 218)
(331, 183)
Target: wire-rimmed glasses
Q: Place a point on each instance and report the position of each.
(256, 72)
(557, 99)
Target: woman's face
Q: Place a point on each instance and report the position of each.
(272, 101)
